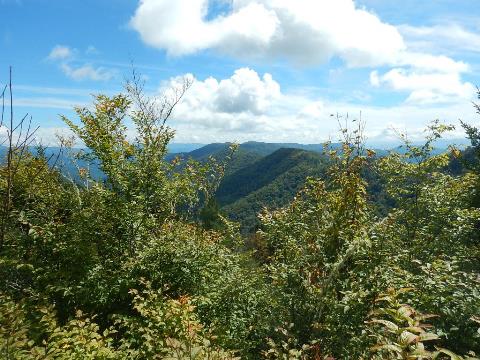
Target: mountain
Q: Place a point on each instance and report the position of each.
(260, 148)
(270, 182)
(204, 152)
(268, 148)
(261, 174)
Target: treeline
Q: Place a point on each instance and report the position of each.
(123, 268)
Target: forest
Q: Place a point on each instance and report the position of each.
(142, 264)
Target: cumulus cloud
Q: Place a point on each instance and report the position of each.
(428, 62)
(305, 31)
(309, 32)
(60, 52)
(260, 110)
(241, 106)
(312, 110)
(245, 92)
(430, 78)
(270, 114)
(180, 28)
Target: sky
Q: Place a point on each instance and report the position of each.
(262, 70)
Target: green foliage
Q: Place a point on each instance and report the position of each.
(471, 157)
(14, 328)
(166, 329)
(24, 337)
(84, 246)
(331, 258)
(401, 332)
(142, 264)
(210, 215)
(160, 329)
(270, 182)
(313, 244)
(144, 185)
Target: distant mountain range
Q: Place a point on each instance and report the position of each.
(380, 144)
(270, 174)
(258, 175)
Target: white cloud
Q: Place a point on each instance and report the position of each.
(179, 26)
(243, 93)
(305, 31)
(449, 37)
(431, 78)
(64, 56)
(3, 133)
(426, 87)
(202, 116)
(241, 107)
(261, 111)
(86, 72)
(46, 136)
(427, 62)
(310, 32)
(375, 79)
(315, 109)
(60, 52)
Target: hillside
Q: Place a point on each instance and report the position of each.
(271, 182)
(260, 148)
(268, 148)
(260, 175)
(268, 175)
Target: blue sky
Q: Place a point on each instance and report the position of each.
(265, 70)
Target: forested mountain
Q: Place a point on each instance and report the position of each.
(260, 148)
(269, 182)
(263, 172)
(257, 175)
(268, 175)
(260, 175)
